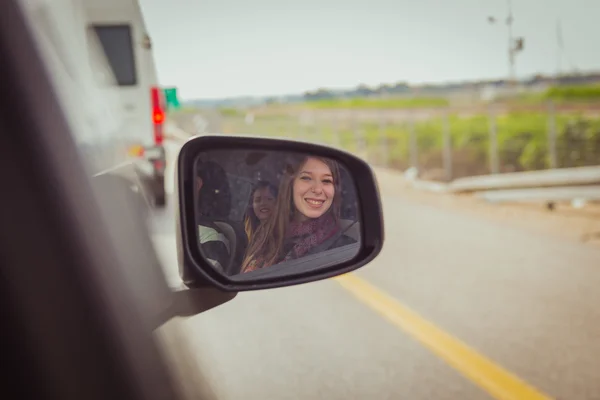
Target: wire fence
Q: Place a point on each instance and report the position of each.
(443, 144)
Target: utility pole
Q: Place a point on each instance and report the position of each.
(511, 47)
(515, 45)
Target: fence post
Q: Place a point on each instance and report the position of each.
(253, 120)
(214, 124)
(447, 147)
(290, 128)
(383, 140)
(323, 129)
(414, 149)
(297, 132)
(318, 131)
(357, 136)
(494, 160)
(303, 130)
(335, 131)
(552, 135)
(309, 129)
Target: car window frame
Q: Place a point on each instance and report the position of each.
(57, 259)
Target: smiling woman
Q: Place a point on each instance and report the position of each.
(314, 188)
(260, 206)
(306, 219)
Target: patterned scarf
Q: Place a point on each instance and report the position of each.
(303, 236)
(300, 238)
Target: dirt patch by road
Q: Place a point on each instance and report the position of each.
(581, 225)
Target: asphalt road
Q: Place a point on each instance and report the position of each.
(528, 302)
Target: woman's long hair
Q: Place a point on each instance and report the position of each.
(251, 221)
(266, 247)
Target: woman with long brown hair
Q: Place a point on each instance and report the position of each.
(306, 215)
(260, 207)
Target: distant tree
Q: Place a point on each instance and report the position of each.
(401, 87)
(384, 88)
(363, 90)
(319, 94)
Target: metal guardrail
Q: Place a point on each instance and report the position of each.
(579, 176)
(575, 185)
(545, 195)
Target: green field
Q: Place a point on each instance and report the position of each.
(370, 103)
(560, 95)
(522, 140)
(574, 93)
(522, 136)
(564, 95)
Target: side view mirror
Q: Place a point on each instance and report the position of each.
(255, 213)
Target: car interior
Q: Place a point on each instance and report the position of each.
(243, 169)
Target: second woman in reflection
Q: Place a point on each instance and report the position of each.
(305, 218)
(260, 207)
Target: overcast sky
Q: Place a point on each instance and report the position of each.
(221, 48)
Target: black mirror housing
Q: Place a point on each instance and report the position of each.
(194, 269)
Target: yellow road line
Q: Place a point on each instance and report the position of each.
(495, 380)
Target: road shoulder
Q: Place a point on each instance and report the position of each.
(580, 225)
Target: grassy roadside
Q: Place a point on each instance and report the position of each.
(522, 139)
(576, 225)
(378, 103)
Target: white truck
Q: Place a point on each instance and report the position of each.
(100, 53)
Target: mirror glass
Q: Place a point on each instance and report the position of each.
(265, 214)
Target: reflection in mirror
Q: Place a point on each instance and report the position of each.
(262, 214)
